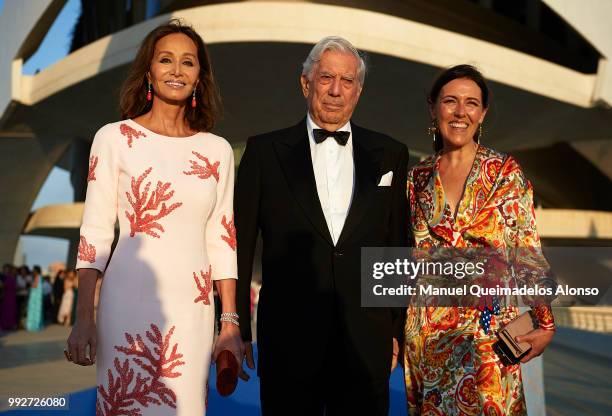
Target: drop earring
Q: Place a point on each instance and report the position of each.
(149, 93)
(193, 99)
(432, 130)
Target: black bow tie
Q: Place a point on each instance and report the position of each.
(340, 136)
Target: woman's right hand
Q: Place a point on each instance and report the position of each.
(83, 335)
(83, 340)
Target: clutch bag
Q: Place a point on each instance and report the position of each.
(227, 373)
(507, 349)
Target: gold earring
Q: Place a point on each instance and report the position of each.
(479, 133)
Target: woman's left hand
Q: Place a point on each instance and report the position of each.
(229, 339)
(539, 340)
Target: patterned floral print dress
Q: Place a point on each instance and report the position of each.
(450, 367)
(173, 199)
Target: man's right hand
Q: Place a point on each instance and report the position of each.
(248, 356)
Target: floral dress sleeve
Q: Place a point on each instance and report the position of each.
(220, 229)
(100, 211)
(530, 266)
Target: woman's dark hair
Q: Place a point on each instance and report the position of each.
(446, 76)
(133, 97)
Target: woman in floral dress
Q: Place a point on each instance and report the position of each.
(469, 196)
(169, 182)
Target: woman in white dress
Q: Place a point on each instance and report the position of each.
(65, 309)
(170, 183)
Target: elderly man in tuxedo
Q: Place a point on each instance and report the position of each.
(318, 192)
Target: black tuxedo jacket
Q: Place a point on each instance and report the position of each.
(309, 304)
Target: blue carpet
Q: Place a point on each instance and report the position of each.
(244, 401)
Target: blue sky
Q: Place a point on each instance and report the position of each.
(56, 44)
(57, 188)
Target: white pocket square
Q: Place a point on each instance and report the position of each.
(386, 179)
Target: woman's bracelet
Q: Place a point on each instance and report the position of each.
(548, 327)
(231, 317)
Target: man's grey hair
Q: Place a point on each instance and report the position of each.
(333, 44)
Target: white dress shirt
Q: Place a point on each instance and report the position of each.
(334, 175)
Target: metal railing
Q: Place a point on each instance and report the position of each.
(587, 318)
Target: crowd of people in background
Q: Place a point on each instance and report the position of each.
(30, 300)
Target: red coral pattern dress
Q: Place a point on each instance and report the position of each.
(450, 367)
(173, 198)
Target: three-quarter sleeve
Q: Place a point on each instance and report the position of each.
(100, 212)
(220, 229)
(530, 266)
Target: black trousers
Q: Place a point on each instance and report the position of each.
(340, 387)
(287, 396)
(337, 396)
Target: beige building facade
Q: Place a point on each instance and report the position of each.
(548, 63)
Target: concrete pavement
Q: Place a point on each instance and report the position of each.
(576, 381)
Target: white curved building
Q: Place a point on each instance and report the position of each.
(547, 62)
